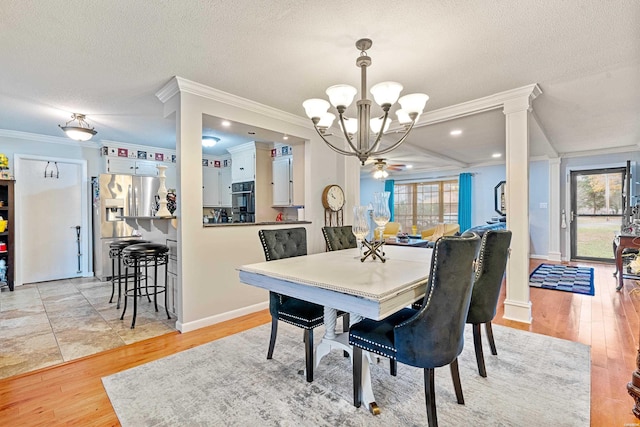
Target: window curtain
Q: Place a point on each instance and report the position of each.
(388, 186)
(464, 201)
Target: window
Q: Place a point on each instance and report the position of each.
(425, 204)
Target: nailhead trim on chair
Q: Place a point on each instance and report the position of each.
(285, 320)
(267, 253)
(431, 279)
(300, 318)
(374, 350)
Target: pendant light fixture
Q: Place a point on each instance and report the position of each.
(81, 132)
(366, 131)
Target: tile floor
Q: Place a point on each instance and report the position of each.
(47, 323)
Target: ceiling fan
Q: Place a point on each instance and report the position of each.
(380, 168)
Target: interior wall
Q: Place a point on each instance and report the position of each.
(209, 256)
(539, 208)
(38, 145)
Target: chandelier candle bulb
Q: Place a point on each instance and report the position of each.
(363, 135)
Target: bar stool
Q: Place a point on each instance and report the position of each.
(115, 253)
(144, 255)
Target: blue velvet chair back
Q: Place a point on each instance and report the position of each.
(339, 238)
(492, 263)
(434, 336)
(283, 243)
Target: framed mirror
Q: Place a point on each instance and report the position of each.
(499, 198)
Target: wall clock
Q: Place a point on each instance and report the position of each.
(333, 201)
(333, 197)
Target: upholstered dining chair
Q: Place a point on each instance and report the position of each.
(432, 336)
(286, 243)
(492, 262)
(339, 238)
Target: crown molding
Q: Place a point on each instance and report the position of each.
(475, 106)
(179, 85)
(600, 151)
(36, 137)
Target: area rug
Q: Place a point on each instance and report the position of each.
(534, 380)
(567, 278)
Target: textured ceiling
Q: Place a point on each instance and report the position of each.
(108, 58)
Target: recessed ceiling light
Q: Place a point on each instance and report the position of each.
(455, 132)
(496, 155)
(226, 123)
(408, 166)
(285, 137)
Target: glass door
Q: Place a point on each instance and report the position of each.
(596, 212)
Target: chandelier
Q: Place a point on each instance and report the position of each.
(366, 131)
(81, 132)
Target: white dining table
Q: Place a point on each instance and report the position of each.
(338, 280)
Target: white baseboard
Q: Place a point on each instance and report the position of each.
(212, 320)
(535, 256)
(517, 310)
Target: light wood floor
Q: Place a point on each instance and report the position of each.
(72, 393)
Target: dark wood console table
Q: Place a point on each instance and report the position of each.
(634, 387)
(622, 242)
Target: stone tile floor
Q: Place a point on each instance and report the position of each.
(48, 323)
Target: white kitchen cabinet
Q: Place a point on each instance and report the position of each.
(282, 181)
(210, 187)
(243, 166)
(216, 187)
(224, 186)
(131, 166)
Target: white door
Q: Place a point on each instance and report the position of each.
(49, 211)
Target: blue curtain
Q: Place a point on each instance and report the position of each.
(464, 202)
(388, 186)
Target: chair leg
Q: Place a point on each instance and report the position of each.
(430, 397)
(393, 367)
(455, 376)
(477, 343)
(357, 376)
(126, 288)
(308, 353)
(492, 343)
(274, 332)
(346, 321)
(113, 279)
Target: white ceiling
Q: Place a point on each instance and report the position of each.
(107, 59)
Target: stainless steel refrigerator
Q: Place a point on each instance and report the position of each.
(115, 196)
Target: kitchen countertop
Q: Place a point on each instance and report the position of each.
(235, 224)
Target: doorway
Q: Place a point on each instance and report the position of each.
(596, 212)
(51, 202)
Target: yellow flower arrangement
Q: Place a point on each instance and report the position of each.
(4, 162)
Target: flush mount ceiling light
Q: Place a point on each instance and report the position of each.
(496, 155)
(364, 128)
(81, 132)
(455, 132)
(209, 141)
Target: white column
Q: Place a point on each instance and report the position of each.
(554, 210)
(517, 305)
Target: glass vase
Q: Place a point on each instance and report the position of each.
(381, 212)
(360, 226)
